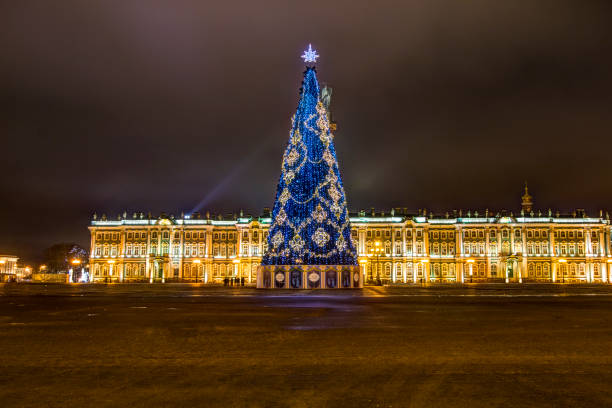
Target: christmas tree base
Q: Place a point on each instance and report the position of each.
(309, 277)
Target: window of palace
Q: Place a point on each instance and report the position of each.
(562, 234)
(398, 248)
(378, 233)
(435, 235)
(419, 233)
(245, 235)
(544, 248)
(255, 250)
(387, 233)
(481, 234)
(579, 234)
(529, 234)
(223, 236)
(408, 234)
(572, 249)
(517, 234)
(595, 247)
(255, 236)
(99, 236)
(232, 236)
(493, 270)
(444, 248)
(369, 234)
(166, 235)
(106, 236)
(419, 247)
(398, 234)
(570, 234)
(98, 251)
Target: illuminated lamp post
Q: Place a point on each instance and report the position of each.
(197, 262)
(74, 262)
(562, 260)
(236, 263)
(377, 252)
(471, 268)
(111, 262)
(425, 263)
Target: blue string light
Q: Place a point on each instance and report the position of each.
(310, 223)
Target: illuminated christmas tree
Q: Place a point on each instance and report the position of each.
(310, 230)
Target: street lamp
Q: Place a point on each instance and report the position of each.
(424, 262)
(471, 263)
(562, 260)
(196, 262)
(377, 252)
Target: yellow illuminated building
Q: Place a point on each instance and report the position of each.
(394, 247)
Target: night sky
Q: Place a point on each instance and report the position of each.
(108, 106)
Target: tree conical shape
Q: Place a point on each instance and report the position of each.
(310, 221)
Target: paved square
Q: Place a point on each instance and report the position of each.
(183, 345)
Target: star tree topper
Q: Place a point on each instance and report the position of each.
(310, 55)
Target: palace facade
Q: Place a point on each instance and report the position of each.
(394, 247)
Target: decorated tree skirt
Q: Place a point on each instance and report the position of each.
(309, 277)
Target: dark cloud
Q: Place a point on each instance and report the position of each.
(154, 105)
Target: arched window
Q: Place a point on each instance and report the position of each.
(530, 270)
(388, 270)
(539, 270)
(493, 270)
(388, 248)
(444, 269)
(436, 270)
(482, 270)
(546, 269)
